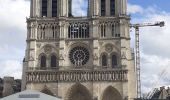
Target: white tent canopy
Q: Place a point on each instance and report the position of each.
(30, 95)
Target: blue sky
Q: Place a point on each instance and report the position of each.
(155, 45)
(162, 4)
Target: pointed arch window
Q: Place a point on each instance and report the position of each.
(104, 60)
(103, 7)
(44, 8)
(112, 7)
(53, 61)
(54, 8)
(113, 30)
(43, 61)
(114, 61)
(103, 30)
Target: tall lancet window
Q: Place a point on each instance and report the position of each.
(112, 7)
(103, 7)
(53, 61)
(54, 8)
(44, 8)
(114, 61)
(103, 30)
(70, 8)
(104, 60)
(43, 61)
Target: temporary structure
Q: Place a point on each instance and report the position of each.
(30, 95)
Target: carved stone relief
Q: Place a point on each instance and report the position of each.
(95, 57)
(123, 56)
(109, 48)
(38, 45)
(61, 57)
(47, 49)
(31, 57)
(101, 43)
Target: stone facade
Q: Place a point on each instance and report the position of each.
(9, 86)
(80, 57)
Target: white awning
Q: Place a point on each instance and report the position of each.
(30, 95)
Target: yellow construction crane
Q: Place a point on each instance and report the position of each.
(137, 50)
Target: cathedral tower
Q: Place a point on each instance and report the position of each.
(80, 58)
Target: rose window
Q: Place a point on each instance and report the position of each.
(79, 56)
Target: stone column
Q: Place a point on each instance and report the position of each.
(64, 8)
(49, 8)
(31, 8)
(94, 7)
(124, 7)
(107, 7)
(35, 8)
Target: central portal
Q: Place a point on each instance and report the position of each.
(111, 93)
(78, 92)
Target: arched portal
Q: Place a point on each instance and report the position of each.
(47, 91)
(78, 92)
(110, 93)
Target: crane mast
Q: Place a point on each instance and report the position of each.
(137, 50)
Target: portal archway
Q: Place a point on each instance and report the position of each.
(110, 93)
(78, 92)
(47, 91)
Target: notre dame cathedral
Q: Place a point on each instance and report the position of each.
(80, 58)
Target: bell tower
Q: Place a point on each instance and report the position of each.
(108, 7)
(80, 57)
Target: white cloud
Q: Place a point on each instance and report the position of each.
(12, 36)
(13, 14)
(155, 48)
(155, 39)
(13, 33)
(11, 68)
(79, 7)
(132, 9)
(154, 72)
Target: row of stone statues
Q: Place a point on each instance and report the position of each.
(76, 76)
